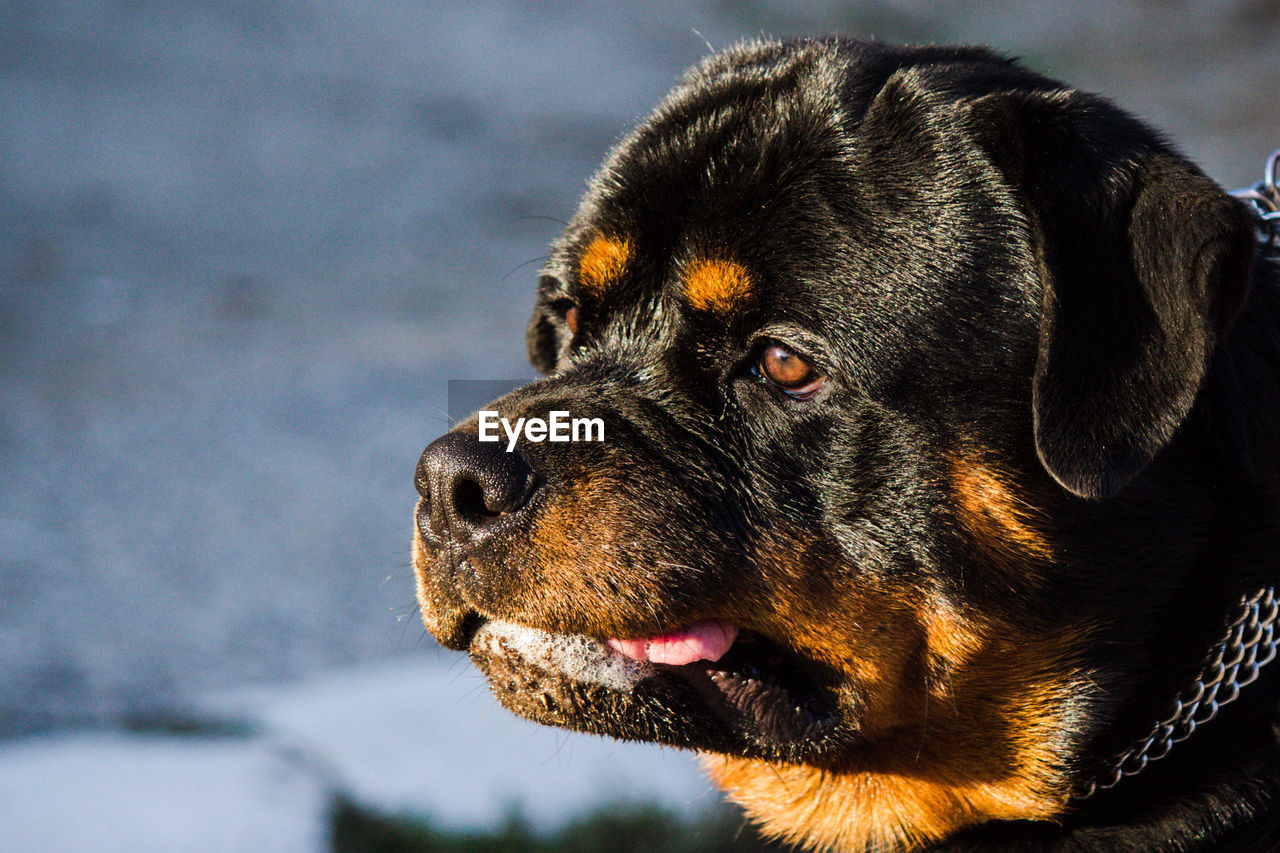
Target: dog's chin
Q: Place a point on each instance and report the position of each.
(755, 701)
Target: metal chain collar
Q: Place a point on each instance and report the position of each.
(1264, 198)
(1250, 644)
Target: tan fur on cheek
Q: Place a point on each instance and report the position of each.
(990, 749)
(847, 812)
(995, 515)
(854, 811)
(867, 634)
(603, 262)
(960, 720)
(574, 581)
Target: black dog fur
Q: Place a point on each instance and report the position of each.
(1041, 464)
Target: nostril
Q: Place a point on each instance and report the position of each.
(467, 485)
(469, 502)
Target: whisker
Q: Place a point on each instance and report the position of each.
(704, 39)
(523, 265)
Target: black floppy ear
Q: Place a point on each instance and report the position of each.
(1143, 260)
(541, 340)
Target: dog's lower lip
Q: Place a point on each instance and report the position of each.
(754, 678)
(754, 688)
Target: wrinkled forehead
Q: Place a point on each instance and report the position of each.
(775, 198)
(705, 201)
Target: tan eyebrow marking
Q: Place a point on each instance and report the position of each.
(603, 261)
(716, 285)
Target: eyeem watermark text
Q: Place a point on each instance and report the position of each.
(559, 427)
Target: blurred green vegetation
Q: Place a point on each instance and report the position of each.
(629, 827)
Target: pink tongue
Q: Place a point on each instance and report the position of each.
(703, 641)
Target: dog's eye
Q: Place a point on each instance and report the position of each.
(789, 372)
(569, 314)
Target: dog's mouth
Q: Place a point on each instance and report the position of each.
(709, 685)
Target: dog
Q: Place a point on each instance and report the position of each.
(937, 500)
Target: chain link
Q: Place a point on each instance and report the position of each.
(1264, 198)
(1249, 645)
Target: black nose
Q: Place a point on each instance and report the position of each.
(468, 484)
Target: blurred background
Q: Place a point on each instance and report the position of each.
(243, 247)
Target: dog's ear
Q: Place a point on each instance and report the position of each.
(1143, 260)
(541, 340)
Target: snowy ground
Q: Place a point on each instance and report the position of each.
(243, 247)
(109, 792)
(403, 735)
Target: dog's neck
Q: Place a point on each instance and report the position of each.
(1232, 665)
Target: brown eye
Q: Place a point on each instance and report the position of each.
(789, 372)
(571, 319)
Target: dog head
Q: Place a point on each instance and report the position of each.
(891, 349)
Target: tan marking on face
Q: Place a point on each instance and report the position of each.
(718, 286)
(962, 719)
(950, 642)
(583, 569)
(603, 261)
(865, 632)
(442, 613)
(999, 520)
(991, 749)
(575, 575)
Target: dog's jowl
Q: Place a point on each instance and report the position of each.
(941, 419)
